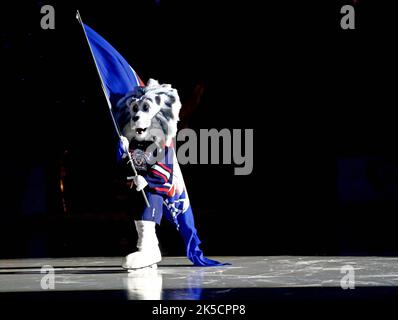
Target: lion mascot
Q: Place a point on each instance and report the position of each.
(151, 114)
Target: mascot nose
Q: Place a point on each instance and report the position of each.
(135, 118)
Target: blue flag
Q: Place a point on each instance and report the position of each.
(119, 78)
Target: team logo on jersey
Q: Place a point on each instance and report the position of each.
(140, 159)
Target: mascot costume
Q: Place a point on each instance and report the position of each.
(148, 116)
(148, 138)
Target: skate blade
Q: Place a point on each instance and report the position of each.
(150, 267)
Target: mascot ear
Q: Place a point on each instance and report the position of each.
(170, 106)
(171, 100)
(152, 83)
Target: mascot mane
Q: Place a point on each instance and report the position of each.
(164, 122)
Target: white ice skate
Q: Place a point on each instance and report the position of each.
(148, 254)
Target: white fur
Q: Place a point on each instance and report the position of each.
(154, 114)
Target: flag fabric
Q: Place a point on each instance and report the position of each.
(119, 78)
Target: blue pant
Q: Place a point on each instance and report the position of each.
(155, 211)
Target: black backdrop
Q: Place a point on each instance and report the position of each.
(320, 100)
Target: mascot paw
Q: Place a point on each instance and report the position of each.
(124, 144)
(140, 182)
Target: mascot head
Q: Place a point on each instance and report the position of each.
(153, 113)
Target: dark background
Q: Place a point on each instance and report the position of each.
(321, 101)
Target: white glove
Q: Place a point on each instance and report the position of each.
(140, 182)
(125, 144)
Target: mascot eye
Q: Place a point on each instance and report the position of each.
(145, 107)
(135, 108)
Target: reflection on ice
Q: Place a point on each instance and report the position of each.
(148, 284)
(144, 284)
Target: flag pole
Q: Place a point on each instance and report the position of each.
(79, 18)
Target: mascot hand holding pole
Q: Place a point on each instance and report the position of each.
(148, 116)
